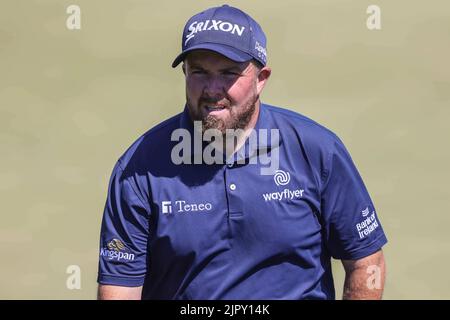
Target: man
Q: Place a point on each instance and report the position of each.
(178, 225)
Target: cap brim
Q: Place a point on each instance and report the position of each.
(227, 51)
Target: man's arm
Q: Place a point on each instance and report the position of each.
(107, 292)
(364, 278)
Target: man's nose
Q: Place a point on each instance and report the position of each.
(214, 86)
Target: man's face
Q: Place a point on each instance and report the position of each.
(221, 93)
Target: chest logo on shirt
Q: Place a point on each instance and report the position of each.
(181, 206)
(282, 178)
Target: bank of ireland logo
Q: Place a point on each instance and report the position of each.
(368, 225)
(281, 177)
(365, 212)
(166, 206)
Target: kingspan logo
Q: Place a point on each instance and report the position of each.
(217, 25)
(181, 206)
(116, 250)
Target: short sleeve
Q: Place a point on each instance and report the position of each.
(352, 227)
(124, 233)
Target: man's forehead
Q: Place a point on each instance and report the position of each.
(207, 57)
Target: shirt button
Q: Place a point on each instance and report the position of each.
(232, 187)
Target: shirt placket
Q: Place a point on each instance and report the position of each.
(233, 187)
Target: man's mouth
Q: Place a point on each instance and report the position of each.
(214, 107)
(218, 110)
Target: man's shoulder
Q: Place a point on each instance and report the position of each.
(318, 143)
(163, 129)
(152, 142)
(306, 129)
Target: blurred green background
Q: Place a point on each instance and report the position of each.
(71, 102)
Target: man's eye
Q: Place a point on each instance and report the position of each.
(231, 73)
(198, 72)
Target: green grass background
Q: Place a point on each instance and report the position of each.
(72, 101)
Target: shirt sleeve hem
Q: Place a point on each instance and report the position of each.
(120, 281)
(360, 253)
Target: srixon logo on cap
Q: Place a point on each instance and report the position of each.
(217, 25)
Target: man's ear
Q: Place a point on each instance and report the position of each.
(263, 75)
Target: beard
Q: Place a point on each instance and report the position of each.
(238, 118)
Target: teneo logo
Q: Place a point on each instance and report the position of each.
(281, 177)
(182, 206)
(217, 25)
(166, 207)
(116, 250)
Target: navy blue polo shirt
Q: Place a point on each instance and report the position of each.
(225, 231)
